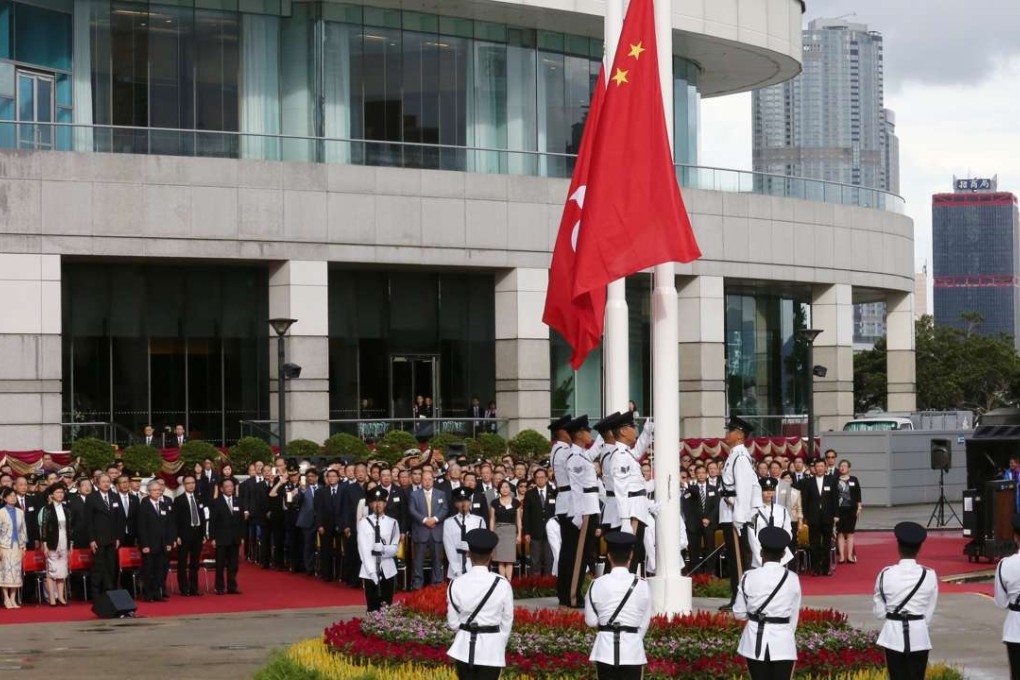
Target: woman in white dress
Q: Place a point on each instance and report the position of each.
(12, 546)
(55, 532)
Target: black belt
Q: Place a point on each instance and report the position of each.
(590, 489)
(726, 493)
(610, 494)
(616, 629)
(761, 621)
(906, 619)
(1014, 607)
(475, 631)
(636, 494)
(562, 489)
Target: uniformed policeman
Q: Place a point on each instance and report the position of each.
(480, 607)
(770, 514)
(564, 507)
(619, 605)
(1007, 596)
(769, 599)
(737, 491)
(629, 482)
(584, 505)
(378, 539)
(605, 448)
(455, 530)
(905, 596)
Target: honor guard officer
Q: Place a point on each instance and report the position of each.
(737, 481)
(770, 514)
(631, 491)
(564, 508)
(585, 505)
(905, 596)
(455, 531)
(619, 605)
(480, 607)
(769, 599)
(1007, 596)
(605, 448)
(378, 539)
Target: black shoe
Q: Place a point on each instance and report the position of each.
(728, 607)
(195, 593)
(233, 592)
(219, 592)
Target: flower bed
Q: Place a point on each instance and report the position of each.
(527, 587)
(556, 643)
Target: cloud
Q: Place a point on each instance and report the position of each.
(935, 41)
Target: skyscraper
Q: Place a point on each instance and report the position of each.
(830, 123)
(975, 237)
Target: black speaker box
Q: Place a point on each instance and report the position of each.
(941, 455)
(114, 604)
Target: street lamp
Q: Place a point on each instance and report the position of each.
(809, 335)
(284, 371)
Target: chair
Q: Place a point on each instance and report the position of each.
(130, 560)
(79, 562)
(207, 561)
(33, 565)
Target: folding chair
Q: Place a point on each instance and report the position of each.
(129, 560)
(207, 561)
(79, 562)
(33, 565)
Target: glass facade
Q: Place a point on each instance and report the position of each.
(395, 335)
(166, 345)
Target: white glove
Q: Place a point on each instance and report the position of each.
(576, 520)
(650, 427)
(378, 547)
(462, 546)
(653, 509)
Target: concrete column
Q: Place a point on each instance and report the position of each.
(299, 289)
(30, 344)
(522, 349)
(702, 309)
(832, 311)
(899, 321)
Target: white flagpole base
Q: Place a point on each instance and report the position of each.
(672, 595)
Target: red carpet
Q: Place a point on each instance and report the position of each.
(943, 552)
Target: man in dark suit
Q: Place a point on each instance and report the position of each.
(226, 528)
(156, 537)
(306, 519)
(190, 521)
(30, 504)
(105, 522)
(129, 505)
(701, 514)
(396, 501)
(149, 437)
(428, 509)
(177, 439)
(819, 497)
(539, 508)
(327, 510)
(475, 411)
(207, 481)
(348, 523)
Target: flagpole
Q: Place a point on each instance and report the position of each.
(671, 591)
(617, 338)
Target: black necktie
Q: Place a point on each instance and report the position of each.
(107, 500)
(21, 502)
(704, 499)
(194, 511)
(463, 537)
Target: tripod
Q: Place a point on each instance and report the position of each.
(939, 511)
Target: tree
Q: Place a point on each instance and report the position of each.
(871, 379)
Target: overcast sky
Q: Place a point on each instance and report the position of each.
(952, 76)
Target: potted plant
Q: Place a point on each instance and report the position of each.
(529, 445)
(194, 451)
(494, 446)
(303, 448)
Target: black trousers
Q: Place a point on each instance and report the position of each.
(309, 537)
(277, 537)
(1013, 652)
(700, 544)
(820, 545)
(226, 565)
(378, 594)
(352, 560)
(738, 555)
(250, 541)
(906, 666)
(476, 672)
(605, 671)
(264, 545)
(293, 539)
(541, 557)
(189, 555)
(565, 567)
(329, 554)
(769, 670)
(154, 568)
(104, 570)
(638, 561)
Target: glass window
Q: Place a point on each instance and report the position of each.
(42, 37)
(171, 88)
(5, 29)
(216, 72)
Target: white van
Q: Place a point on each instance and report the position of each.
(878, 424)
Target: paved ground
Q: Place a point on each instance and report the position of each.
(879, 518)
(231, 646)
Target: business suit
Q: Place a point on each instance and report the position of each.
(701, 538)
(348, 523)
(480, 504)
(206, 482)
(190, 530)
(129, 504)
(172, 441)
(535, 515)
(155, 537)
(476, 412)
(327, 510)
(105, 523)
(31, 504)
(75, 505)
(427, 539)
(396, 507)
(255, 499)
(306, 525)
(226, 528)
(819, 508)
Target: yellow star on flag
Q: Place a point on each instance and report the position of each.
(636, 50)
(620, 77)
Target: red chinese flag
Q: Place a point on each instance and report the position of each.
(633, 217)
(578, 319)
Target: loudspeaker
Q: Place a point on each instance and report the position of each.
(941, 455)
(114, 604)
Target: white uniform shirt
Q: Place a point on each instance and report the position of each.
(1007, 591)
(558, 460)
(627, 479)
(895, 583)
(610, 512)
(738, 475)
(454, 530)
(772, 515)
(582, 476)
(778, 638)
(603, 598)
(389, 532)
(462, 598)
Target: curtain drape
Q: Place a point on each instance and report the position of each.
(260, 86)
(486, 107)
(522, 122)
(81, 74)
(337, 92)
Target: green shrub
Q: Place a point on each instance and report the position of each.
(444, 439)
(249, 450)
(195, 451)
(303, 448)
(529, 445)
(474, 448)
(141, 459)
(393, 444)
(93, 454)
(494, 446)
(345, 445)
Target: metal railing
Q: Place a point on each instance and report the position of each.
(108, 432)
(336, 150)
(266, 430)
(423, 429)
